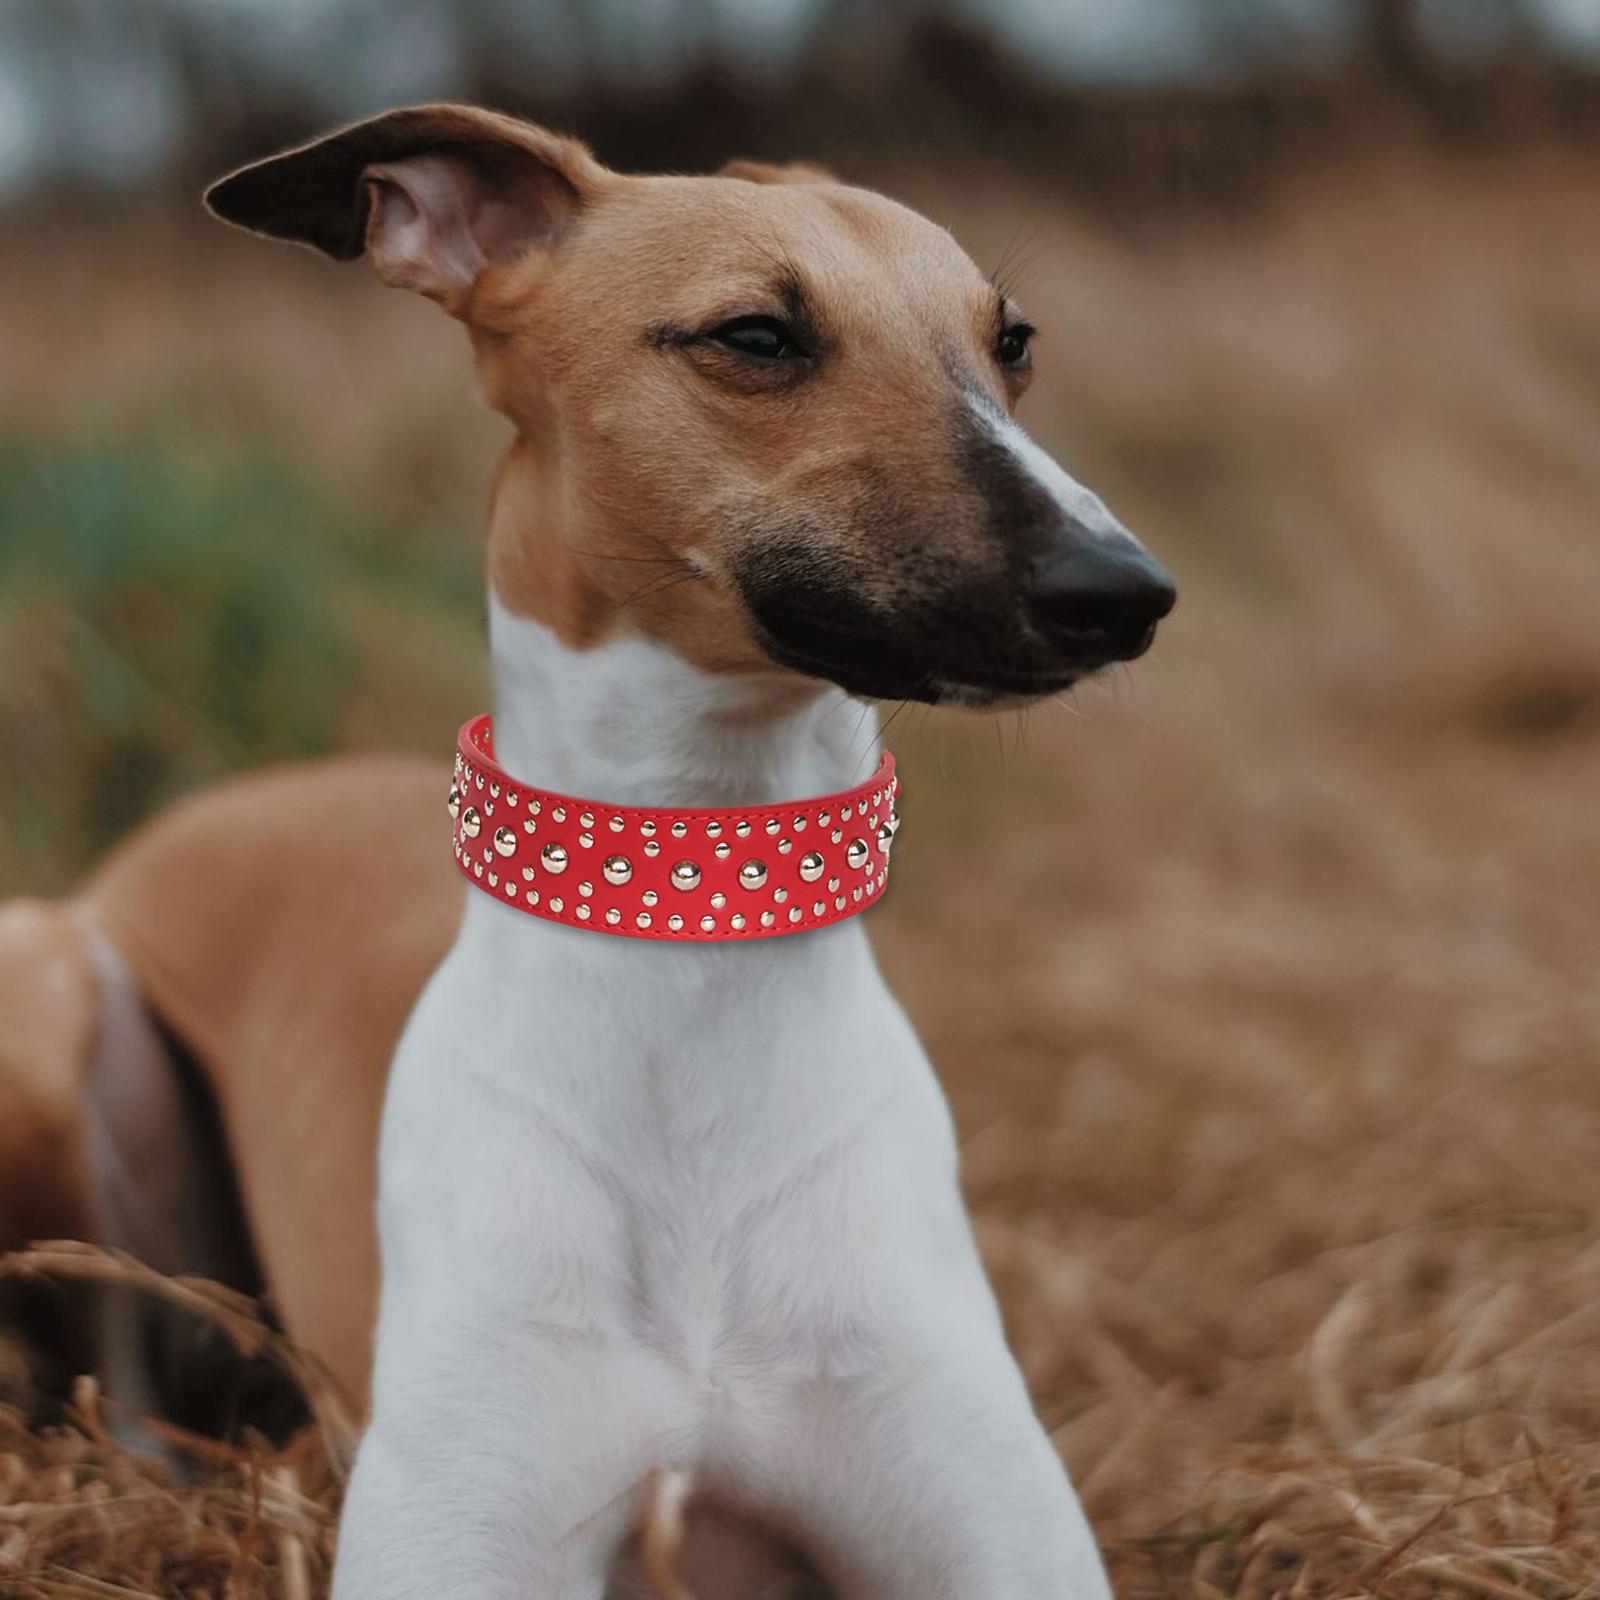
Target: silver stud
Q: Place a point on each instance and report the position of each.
(858, 854)
(477, 869)
(818, 907)
(511, 890)
(877, 797)
(736, 922)
(799, 824)
(718, 900)
(558, 813)
(583, 913)
(833, 885)
(613, 916)
(707, 924)
(534, 807)
(618, 869)
(477, 778)
(713, 830)
(785, 846)
(527, 874)
(838, 902)
(532, 897)
(742, 829)
(795, 913)
(780, 895)
(894, 819)
(855, 894)
(648, 829)
(494, 880)
(836, 835)
(810, 867)
(773, 825)
(675, 922)
(586, 820)
(685, 875)
(615, 824)
(723, 851)
(505, 841)
(494, 789)
(768, 918)
(652, 847)
(844, 813)
(557, 904)
(471, 822)
(649, 897)
(823, 818)
(586, 840)
(529, 825)
(642, 920)
(554, 857)
(679, 829)
(753, 874)
(453, 804)
(511, 798)
(885, 838)
(585, 889)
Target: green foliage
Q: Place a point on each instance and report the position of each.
(165, 621)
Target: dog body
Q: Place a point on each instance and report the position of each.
(646, 1205)
(256, 951)
(690, 1207)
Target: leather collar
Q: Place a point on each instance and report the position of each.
(696, 874)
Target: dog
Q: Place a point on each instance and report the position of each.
(648, 1195)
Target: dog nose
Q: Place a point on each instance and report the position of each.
(1097, 597)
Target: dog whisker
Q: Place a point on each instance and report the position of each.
(889, 721)
(643, 561)
(659, 584)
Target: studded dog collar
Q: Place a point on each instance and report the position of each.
(695, 874)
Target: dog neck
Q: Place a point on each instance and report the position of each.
(631, 723)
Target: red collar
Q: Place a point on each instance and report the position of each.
(696, 874)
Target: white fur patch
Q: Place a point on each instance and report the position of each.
(1083, 505)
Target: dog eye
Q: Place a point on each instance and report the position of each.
(1013, 348)
(764, 338)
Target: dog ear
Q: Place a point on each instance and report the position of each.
(800, 172)
(431, 195)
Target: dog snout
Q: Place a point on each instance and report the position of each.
(1100, 598)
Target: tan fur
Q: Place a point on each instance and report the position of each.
(47, 1018)
(648, 458)
(639, 459)
(282, 926)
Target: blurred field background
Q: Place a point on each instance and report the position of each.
(1274, 1035)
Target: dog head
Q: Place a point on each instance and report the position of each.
(763, 417)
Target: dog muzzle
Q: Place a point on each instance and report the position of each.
(695, 874)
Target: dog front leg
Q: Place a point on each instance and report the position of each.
(937, 1482)
(505, 1457)
(452, 1523)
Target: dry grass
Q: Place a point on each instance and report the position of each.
(1274, 1041)
(83, 1516)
